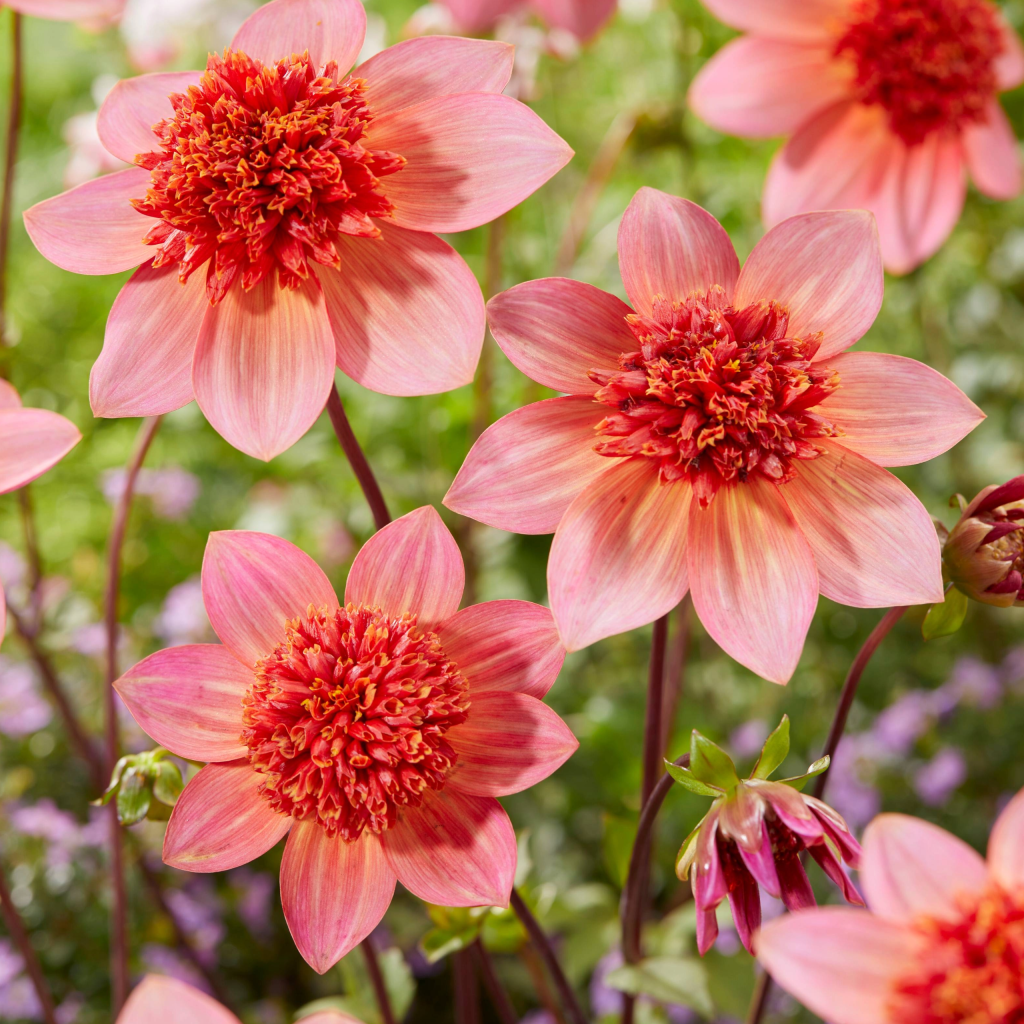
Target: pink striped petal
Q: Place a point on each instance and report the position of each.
(896, 411)
(31, 442)
(1009, 65)
(524, 471)
(840, 963)
(478, 15)
(69, 10)
(264, 365)
(471, 157)
(509, 742)
(189, 699)
(328, 29)
(911, 868)
(415, 70)
(505, 646)
(826, 269)
(406, 311)
(804, 20)
(993, 155)
(170, 1001)
(93, 229)
(145, 368)
(9, 397)
(557, 330)
(760, 88)
(253, 583)
(670, 247)
(1006, 845)
(222, 821)
(583, 18)
(752, 576)
(454, 849)
(134, 106)
(618, 559)
(874, 543)
(411, 567)
(333, 893)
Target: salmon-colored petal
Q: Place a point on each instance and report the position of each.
(478, 15)
(1006, 845)
(222, 821)
(912, 868)
(671, 247)
(189, 699)
(145, 368)
(826, 269)
(783, 19)
(471, 157)
(170, 1001)
(896, 411)
(993, 154)
(93, 228)
(411, 567)
(333, 893)
(253, 583)
(264, 365)
(618, 559)
(69, 10)
(509, 646)
(415, 70)
(1009, 65)
(558, 330)
(134, 106)
(840, 963)
(752, 577)
(524, 471)
(31, 442)
(454, 849)
(582, 18)
(329, 29)
(406, 311)
(874, 543)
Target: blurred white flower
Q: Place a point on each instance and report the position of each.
(157, 32)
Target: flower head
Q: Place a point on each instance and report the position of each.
(375, 734)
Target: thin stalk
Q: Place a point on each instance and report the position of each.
(534, 967)
(467, 993)
(357, 460)
(495, 990)
(380, 989)
(675, 671)
(16, 929)
(35, 562)
(10, 163)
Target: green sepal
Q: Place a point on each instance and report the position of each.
(799, 781)
(168, 784)
(133, 796)
(115, 780)
(454, 928)
(686, 778)
(946, 618)
(774, 751)
(711, 764)
(688, 852)
(668, 979)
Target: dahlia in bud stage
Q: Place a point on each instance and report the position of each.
(583, 18)
(376, 735)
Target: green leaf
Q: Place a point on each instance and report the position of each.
(799, 781)
(438, 943)
(617, 846)
(686, 778)
(774, 751)
(946, 618)
(115, 780)
(688, 851)
(669, 979)
(133, 797)
(710, 763)
(168, 785)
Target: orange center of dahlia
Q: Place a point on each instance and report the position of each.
(715, 393)
(972, 971)
(347, 717)
(929, 63)
(261, 167)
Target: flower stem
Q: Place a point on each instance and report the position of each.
(675, 671)
(495, 990)
(467, 993)
(35, 562)
(16, 929)
(380, 989)
(10, 163)
(357, 460)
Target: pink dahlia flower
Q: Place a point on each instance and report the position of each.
(376, 735)
(887, 104)
(943, 943)
(717, 437)
(283, 216)
(583, 18)
(98, 12)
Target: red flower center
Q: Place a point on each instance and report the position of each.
(973, 969)
(715, 394)
(929, 63)
(346, 719)
(262, 166)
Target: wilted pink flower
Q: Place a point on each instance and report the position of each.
(583, 18)
(376, 735)
(944, 941)
(740, 448)
(888, 102)
(313, 245)
(95, 12)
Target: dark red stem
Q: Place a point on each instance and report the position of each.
(357, 460)
(380, 989)
(495, 990)
(16, 929)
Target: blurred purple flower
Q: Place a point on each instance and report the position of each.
(173, 490)
(22, 709)
(849, 791)
(975, 682)
(159, 959)
(748, 739)
(183, 618)
(198, 910)
(903, 723)
(543, 1017)
(18, 999)
(605, 1000)
(61, 830)
(12, 567)
(945, 772)
(255, 898)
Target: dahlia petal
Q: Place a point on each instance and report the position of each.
(170, 1001)
(931, 415)
(1009, 65)
(993, 155)
(328, 29)
(524, 471)
(708, 881)
(406, 312)
(795, 887)
(504, 646)
(69, 10)
(189, 699)
(557, 330)
(471, 157)
(874, 543)
(454, 849)
(804, 20)
(761, 864)
(145, 367)
(826, 269)
(9, 397)
(415, 70)
(582, 18)
(671, 247)
(509, 742)
(830, 864)
(618, 559)
(1006, 845)
(745, 904)
(411, 567)
(333, 893)
(253, 583)
(92, 228)
(222, 821)
(264, 365)
(31, 442)
(475, 16)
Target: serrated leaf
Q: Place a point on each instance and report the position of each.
(668, 979)
(799, 781)
(133, 797)
(686, 778)
(710, 763)
(774, 751)
(946, 618)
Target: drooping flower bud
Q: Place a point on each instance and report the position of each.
(145, 785)
(754, 835)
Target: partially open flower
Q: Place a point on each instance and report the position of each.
(754, 835)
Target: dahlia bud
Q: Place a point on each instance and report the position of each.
(754, 835)
(145, 785)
